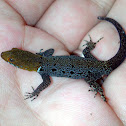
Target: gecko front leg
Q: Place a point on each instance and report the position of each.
(46, 53)
(46, 82)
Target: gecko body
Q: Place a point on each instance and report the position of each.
(89, 68)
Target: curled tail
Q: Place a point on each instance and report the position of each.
(115, 61)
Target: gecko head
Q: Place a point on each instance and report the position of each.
(9, 56)
(21, 59)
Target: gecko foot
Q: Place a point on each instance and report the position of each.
(90, 44)
(40, 52)
(96, 88)
(32, 95)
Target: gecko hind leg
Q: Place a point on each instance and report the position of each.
(98, 89)
(90, 46)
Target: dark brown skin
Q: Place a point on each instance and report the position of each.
(88, 68)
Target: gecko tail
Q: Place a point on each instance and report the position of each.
(115, 61)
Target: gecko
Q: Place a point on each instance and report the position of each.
(87, 68)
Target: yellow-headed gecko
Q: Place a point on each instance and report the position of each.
(88, 68)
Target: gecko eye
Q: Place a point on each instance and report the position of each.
(11, 60)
